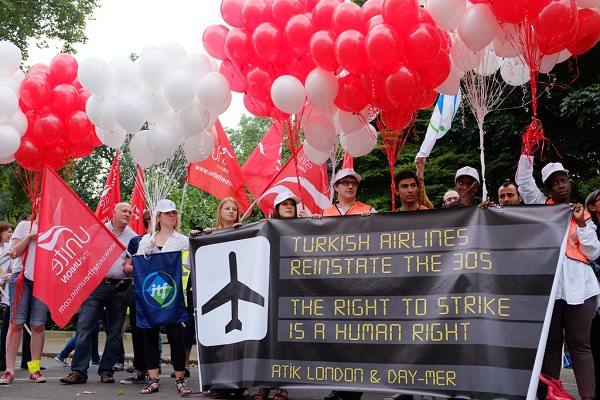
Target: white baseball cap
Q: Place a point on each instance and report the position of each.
(344, 172)
(281, 197)
(551, 168)
(164, 206)
(472, 172)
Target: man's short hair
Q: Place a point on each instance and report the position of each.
(405, 174)
(509, 183)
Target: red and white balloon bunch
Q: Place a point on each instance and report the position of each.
(388, 55)
(165, 98)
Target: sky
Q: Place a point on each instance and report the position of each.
(122, 27)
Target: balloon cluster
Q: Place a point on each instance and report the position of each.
(13, 123)
(54, 104)
(164, 99)
(388, 55)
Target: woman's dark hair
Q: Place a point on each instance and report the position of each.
(275, 213)
(4, 226)
(591, 199)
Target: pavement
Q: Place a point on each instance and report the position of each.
(56, 340)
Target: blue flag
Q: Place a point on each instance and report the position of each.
(158, 289)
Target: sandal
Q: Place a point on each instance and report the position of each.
(281, 394)
(152, 386)
(182, 388)
(263, 394)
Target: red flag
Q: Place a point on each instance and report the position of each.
(138, 204)
(348, 161)
(111, 195)
(74, 250)
(265, 161)
(220, 174)
(312, 186)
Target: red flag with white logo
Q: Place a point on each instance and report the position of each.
(265, 161)
(305, 179)
(74, 249)
(111, 194)
(348, 161)
(138, 204)
(220, 174)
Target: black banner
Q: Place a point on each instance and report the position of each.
(447, 302)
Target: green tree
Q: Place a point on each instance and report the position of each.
(245, 139)
(62, 20)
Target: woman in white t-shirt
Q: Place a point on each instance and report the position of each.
(23, 253)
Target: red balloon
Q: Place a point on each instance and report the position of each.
(434, 74)
(425, 17)
(259, 80)
(231, 11)
(401, 86)
(373, 22)
(347, 16)
(322, 50)
(401, 14)
(445, 40)
(35, 91)
(308, 5)
(299, 67)
(238, 46)
(236, 75)
(429, 98)
(84, 147)
(298, 32)
(84, 95)
(278, 115)
(323, 11)
(256, 107)
(28, 154)
(254, 13)
(351, 53)
(64, 100)
(31, 116)
(383, 46)
(48, 129)
(267, 42)
(510, 11)
(555, 24)
(63, 68)
(38, 67)
(374, 84)
(77, 127)
(421, 45)
(588, 33)
(283, 10)
(395, 120)
(351, 94)
(56, 157)
(213, 40)
(372, 8)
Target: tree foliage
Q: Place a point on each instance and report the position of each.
(62, 20)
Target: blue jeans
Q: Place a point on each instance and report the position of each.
(105, 295)
(70, 346)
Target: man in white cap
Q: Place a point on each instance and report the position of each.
(345, 184)
(577, 289)
(467, 182)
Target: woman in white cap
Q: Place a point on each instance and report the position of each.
(286, 206)
(166, 237)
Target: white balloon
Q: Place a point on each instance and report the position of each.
(191, 119)
(199, 147)
(9, 102)
(587, 3)
(153, 69)
(175, 53)
(18, 76)
(113, 139)
(564, 56)
(310, 109)
(139, 149)
(149, 48)
(131, 112)
(462, 56)
(361, 142)
(514, 72)
(225, 106)
(478, 26)
(126, 78)
(7, 160)
(314, 155)
(505, 49)
(95, 76)
(157, 103)
(320, 133)
(160, 142)
(321, 87)
(452, 83)
(198, 65)
(11, 84)
(490, 63)
(350, 122)
(100, 112)
(10, 140)
(548, 62)
(447, 13)
(213, 90)
(288, 94)
(18, 121)
(180, 89)
(10, 58)
(211, 121)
